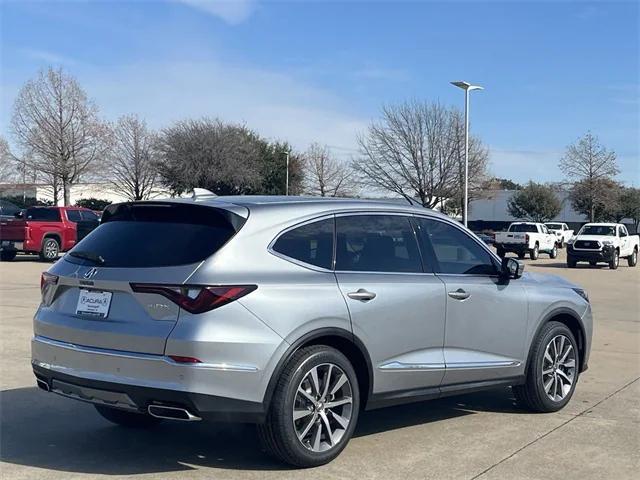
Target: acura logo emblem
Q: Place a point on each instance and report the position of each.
(90, 273)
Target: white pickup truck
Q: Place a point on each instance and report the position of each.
(562, 231)
(603, 242)
(527, 237)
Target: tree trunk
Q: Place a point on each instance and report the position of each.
(66, 189)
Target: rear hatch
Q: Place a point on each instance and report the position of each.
(89, 299)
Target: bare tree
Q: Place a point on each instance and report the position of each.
(132, 172)
(55, 122)
(587, 163)
(221, 157)
(324, 175)
(8, 166)
(415, 151)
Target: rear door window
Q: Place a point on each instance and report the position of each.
(89, 215)
(376, 243)
(157, 234)
(43, 214)
(311, 243)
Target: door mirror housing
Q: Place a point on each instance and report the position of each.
(19, 214)
(512, 268)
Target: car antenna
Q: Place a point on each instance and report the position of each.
(202, 192)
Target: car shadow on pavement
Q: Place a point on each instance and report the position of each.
(564, 265)
(45, 431)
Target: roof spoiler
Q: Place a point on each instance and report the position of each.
(202, 192)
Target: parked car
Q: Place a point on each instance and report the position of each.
(526, 237)
(46, 231)
(561, 231)
(296, 314)
(8, 210)
(603, 242)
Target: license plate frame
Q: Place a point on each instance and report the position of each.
(94, 303)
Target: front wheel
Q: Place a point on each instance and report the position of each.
(615, 260)
(632, 259)
(50, 250)
(554, 252)
(571, 262)
(127, 419)
(552, 371)
(534, 253)
(314, 408)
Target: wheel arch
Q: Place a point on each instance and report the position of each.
(569, 318)
(342, 340)
(54, 235)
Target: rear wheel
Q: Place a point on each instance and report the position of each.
(50, 250)
(615, 260)
(632, 259)
(552, 372)
(521, 255)
(534, 253)
(8, 255)
(127, 419)
(314, 408)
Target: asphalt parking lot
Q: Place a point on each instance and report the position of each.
(473, 436)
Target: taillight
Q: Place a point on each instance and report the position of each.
(196, 299)
(47, 280)
(526, 237)
(27, 233)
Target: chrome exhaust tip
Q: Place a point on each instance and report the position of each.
(42, 385)
(172, 413)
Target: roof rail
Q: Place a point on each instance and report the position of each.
(202, 192)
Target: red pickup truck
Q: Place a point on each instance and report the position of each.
(46, 231)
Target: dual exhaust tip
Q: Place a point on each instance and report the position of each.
(158, 411)
(172, 413)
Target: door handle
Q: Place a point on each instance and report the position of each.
(459, 294)
(361, 295)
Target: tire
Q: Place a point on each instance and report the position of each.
(8, 255)
(535, 253)
(615, 261)
(562, 243)
(632, 260)
(593, 264)
(50, 250)
(521, 255)
(554, 252)
(571, 262)
(127, 419)
(279, 433)
(541, 373)
(500, 251)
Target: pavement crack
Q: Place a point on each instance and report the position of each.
(535, 440)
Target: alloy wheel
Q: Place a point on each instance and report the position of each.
(51, 249)
(322, 407)
(558, 368)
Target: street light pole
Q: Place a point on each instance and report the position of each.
(287, 181)
(467, 87)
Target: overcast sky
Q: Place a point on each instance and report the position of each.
(321, 70)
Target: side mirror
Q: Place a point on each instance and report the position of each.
(19, 214)
(512, 268)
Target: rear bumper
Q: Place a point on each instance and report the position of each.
(513, 247)
(11, 245)
(212, 392)
(134, 397)
(604, 255)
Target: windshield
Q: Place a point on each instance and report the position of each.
(554, 226)
(605, 230)
(523, 227)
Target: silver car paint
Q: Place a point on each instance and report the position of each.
(415, 334)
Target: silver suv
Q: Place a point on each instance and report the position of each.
(296, 314)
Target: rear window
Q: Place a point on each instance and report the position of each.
(554, 226)
(43, 214)
(523, 227)
(74, 215)
(157, 235)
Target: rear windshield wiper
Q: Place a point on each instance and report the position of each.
(92, 257)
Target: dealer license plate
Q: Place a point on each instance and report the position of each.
(91, 302)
